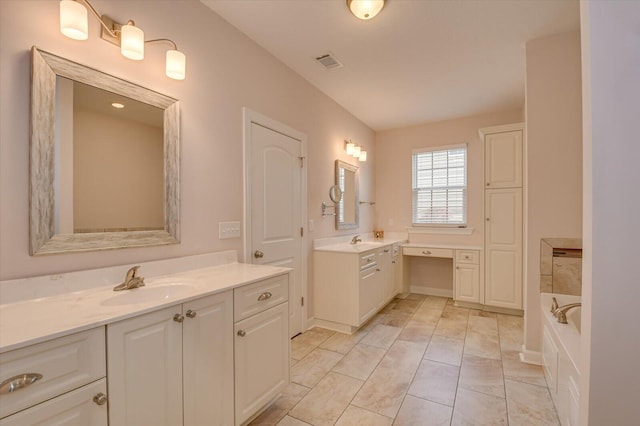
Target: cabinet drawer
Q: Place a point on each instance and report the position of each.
(65, 364)
(367, 258)
(427, 252)
(253, 298)
(468, 256)
(74, 408)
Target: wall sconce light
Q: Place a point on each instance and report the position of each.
(355, 151)
(73, 24)
(365, 9)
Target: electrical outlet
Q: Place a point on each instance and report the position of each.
(228, 230)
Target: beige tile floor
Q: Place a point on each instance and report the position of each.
(420, 361)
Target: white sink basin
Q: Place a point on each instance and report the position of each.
(145, 294)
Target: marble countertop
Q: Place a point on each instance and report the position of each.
(360, 247)
(33, 321)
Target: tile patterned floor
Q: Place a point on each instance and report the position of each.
(420, 361)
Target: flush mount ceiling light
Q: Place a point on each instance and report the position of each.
(365, 9)
(73, 24)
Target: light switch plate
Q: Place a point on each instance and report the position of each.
(228, 230)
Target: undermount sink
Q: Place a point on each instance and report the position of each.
(145, 294)
(367, 245)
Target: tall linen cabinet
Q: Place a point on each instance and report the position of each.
(503, 209)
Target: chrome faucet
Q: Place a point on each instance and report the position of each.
(356, 239)
(131, 280)
(561, 312)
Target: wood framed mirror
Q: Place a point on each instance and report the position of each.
(134, 195)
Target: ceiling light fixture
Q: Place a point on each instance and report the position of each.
(355, 151)
(73, 24)
(117, 105)
(365, 9)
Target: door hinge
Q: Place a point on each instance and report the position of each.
(301, 231)
(302, 301)
(301, 162)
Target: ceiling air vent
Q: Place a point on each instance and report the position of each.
(329, 61)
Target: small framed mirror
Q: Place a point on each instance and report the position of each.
(335, 193)
(348, 207)
(102, 176)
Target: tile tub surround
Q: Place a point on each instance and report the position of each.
(410, 371)
(28, 322)
(560, 275)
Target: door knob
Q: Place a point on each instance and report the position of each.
(258, 254)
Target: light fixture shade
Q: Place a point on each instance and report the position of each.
(351, 147)
(363, 156)
(73, 20)
(132, 42)
(365, 9)
(356, 151)
(176, 65)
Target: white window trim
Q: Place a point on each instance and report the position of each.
(443, 228)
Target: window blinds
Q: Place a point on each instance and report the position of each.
(440, 186)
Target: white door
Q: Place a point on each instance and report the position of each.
(503, 242)
(276, 196)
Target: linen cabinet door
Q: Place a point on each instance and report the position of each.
(261, 360)
(144, 369)
(208, 361)
(503, 160)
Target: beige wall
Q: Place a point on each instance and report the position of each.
(118, 172)
(610, 388)
(553, 182)
(393, 174)
(226, 71)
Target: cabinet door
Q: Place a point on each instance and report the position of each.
(503, 160)
(75, 408)
(144, 369)
(261, 360)
(369, 293)
(386, 275)
(503, 241)
(467, 282)
(208, 360)
(396, 267)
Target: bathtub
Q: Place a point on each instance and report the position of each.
(561, 356)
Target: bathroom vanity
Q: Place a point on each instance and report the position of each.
(206, 346)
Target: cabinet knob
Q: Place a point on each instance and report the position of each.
(258, 254)
(386, 251)
(426, 252)
(377, 269)
(100, 399)
(457, 267)
(264, 296)
(178, 317)
(191, 314)
(488, 220)
(393, 261)
(488, 184)
(242, 333)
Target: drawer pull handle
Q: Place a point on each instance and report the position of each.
(242, 333)
(191, 314)
(467, 257)
(377, 269)
(100, 399)
(426, 252)
(18, 382)
(264, 296)
(178, 317)
(386, 251)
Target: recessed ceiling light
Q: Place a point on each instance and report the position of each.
(117, 105)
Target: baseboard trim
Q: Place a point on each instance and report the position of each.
(430, 291)
(530, 357)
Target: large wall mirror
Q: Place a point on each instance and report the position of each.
(348, 208)
(104, 170)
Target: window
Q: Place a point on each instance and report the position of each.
(440, 186)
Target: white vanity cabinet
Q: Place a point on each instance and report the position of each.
(262, 345)
(181, 353)
(350, 287)
(55, 382)
(468, 287)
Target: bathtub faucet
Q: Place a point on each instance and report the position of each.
(561, 312)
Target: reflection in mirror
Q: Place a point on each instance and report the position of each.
(347, 209)
(102, 176)
(335, 193)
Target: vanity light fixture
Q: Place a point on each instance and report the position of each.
(73, 24)
(117, 105)
(365, 9)
(355, 151)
